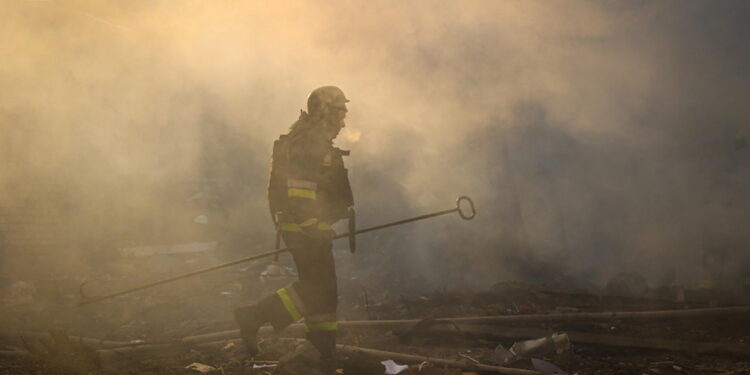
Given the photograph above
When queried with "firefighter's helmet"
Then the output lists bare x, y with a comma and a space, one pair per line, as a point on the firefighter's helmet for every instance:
324, 98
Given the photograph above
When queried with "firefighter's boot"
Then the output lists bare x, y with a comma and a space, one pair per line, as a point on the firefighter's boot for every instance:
325, 342
250, 320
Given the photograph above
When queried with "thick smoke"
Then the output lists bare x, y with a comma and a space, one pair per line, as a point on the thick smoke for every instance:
595, 137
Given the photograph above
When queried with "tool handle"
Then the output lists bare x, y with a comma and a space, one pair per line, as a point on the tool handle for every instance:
466, 216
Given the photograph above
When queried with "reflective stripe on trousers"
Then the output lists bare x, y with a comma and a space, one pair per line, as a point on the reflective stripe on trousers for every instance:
294, 306
321, 322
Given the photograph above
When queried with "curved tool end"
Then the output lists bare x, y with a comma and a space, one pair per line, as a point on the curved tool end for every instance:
80, 290
85, 299
471, 205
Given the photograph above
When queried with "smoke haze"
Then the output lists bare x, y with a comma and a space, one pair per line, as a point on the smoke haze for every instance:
595, 136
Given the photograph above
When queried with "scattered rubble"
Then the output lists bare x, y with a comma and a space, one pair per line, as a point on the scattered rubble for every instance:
557, 343
393, 368
201, 368
545, 331
546, 367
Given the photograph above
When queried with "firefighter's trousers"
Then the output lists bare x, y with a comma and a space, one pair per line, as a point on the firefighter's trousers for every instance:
314, 297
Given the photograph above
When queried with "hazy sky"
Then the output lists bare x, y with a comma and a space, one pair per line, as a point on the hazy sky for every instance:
605, 136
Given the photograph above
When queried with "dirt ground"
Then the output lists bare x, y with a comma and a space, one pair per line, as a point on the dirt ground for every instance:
164, 316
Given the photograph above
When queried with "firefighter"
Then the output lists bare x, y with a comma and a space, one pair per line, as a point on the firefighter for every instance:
308, 191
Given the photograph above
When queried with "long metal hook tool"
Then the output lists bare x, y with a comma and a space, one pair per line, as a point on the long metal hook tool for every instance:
87, 300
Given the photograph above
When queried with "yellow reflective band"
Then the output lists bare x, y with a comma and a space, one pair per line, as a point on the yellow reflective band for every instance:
302, 193
308, 222
322, 326
288, 304
290, 227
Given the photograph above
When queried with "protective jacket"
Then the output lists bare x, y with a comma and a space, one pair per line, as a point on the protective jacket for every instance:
309, 185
